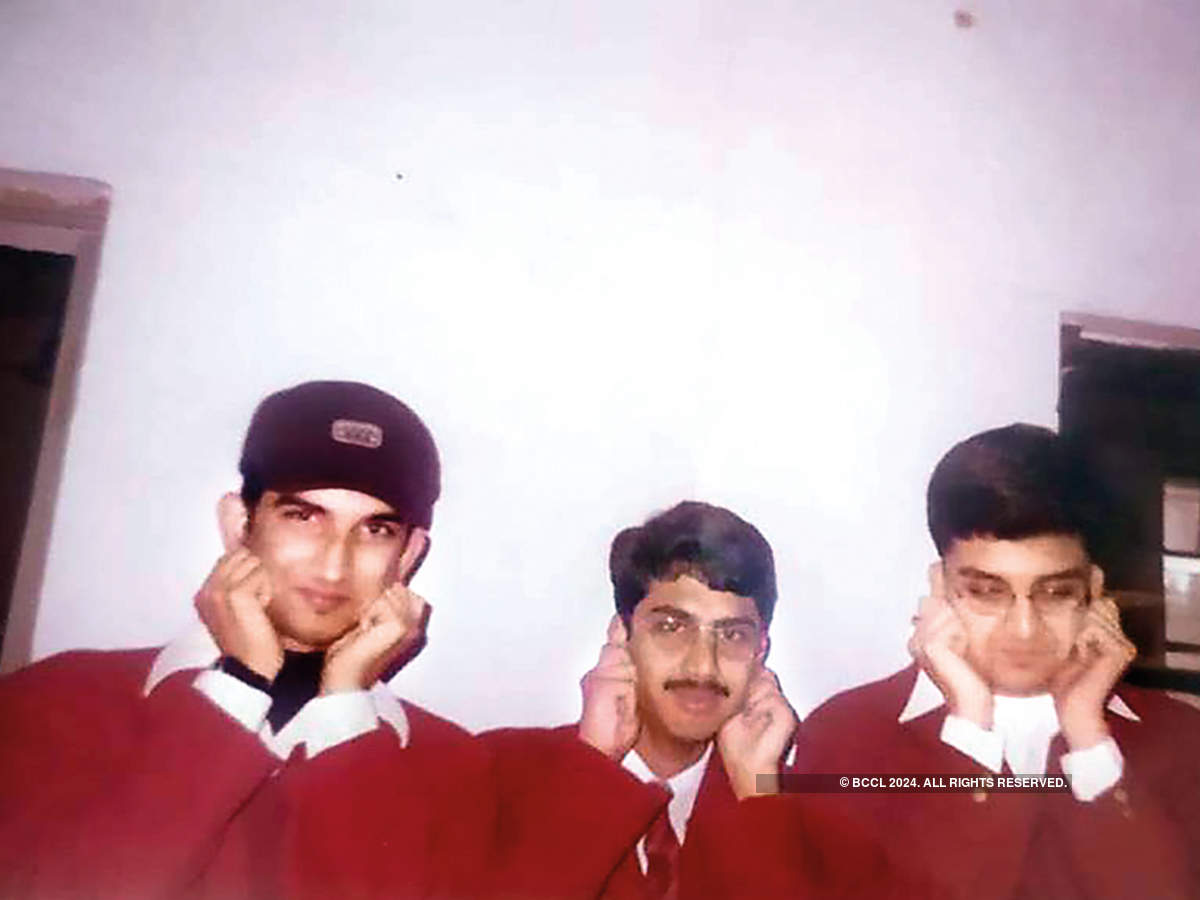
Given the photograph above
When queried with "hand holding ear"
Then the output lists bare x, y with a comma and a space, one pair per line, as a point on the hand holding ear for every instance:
1100, 654
939, 645
232, 604
387, 628
610, 721
754, 740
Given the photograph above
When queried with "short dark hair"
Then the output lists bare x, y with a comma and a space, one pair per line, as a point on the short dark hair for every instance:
1009, 483
709, 543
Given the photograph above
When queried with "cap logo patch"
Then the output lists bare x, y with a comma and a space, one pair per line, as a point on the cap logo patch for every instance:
360, 434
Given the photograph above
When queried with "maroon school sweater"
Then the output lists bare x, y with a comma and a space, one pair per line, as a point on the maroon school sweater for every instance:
105, 793
1140, 839
571, 818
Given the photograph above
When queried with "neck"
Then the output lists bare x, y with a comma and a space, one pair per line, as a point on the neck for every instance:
666, 755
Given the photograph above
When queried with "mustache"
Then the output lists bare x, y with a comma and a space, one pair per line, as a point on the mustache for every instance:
714, 686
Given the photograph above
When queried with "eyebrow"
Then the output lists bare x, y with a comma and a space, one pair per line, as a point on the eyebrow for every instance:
1074, 572
293, 500
727, 622
668, 610
392, 517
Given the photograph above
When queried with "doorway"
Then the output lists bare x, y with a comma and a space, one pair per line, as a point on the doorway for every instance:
51, 228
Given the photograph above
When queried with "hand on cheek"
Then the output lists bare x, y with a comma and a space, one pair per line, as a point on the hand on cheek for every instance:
1099, 655
386, 628
939, 645
232, 603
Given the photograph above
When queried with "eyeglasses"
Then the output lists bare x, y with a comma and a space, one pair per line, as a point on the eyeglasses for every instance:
735, 641
1055, 596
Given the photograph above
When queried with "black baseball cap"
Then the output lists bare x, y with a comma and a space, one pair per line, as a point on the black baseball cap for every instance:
344, 434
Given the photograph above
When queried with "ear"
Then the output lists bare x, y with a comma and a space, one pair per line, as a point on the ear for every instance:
232, 518
414, 553
1097, 582
764, 648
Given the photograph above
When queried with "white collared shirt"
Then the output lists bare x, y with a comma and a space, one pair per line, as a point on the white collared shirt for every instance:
1022, 729
685, 786
323, 722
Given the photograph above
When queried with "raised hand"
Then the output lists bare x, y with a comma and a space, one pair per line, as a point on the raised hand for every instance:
939, 645
232, 604
387, 628
754, 740
610, 720
1100, 654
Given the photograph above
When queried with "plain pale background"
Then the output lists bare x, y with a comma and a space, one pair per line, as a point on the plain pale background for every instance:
773, 255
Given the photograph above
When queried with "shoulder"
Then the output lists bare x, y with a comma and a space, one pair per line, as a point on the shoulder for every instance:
1161, 720
877, 701
427, 726
540, 753
530, 739
438, 738
89, 695
84, 671
859, 726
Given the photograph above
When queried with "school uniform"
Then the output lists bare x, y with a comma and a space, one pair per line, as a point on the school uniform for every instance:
145, 774
1129, 826
575, 825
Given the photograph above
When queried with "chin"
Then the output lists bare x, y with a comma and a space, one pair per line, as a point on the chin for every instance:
688, 729
1021, 683
694, 733
317, 635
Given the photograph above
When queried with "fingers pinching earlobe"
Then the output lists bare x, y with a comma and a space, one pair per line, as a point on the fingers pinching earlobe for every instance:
1106, 608
618, 634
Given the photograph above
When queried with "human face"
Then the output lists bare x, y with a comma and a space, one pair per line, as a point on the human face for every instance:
695, 651
328, 553
1022, 604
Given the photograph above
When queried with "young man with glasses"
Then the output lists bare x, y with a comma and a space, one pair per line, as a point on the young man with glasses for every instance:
680, 718
1017, 656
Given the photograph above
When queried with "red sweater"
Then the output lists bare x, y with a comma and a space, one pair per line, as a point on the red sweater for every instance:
1141, 839
105, 793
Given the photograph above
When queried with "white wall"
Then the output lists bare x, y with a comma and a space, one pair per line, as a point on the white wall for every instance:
775, 255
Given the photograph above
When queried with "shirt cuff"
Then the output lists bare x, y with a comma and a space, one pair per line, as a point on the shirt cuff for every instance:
246, 705
983, 746
1094, 770
333, 719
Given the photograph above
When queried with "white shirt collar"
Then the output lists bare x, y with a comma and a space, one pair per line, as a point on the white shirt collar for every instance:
685, 786
195, 649
926, 697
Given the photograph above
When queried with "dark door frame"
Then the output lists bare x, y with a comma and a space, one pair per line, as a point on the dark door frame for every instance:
56, 214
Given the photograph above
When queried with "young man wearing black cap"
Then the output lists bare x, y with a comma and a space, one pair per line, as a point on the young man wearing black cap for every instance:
226, 764
680, 717
1018, 656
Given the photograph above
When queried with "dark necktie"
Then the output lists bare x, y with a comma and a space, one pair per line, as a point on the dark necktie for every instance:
662, 855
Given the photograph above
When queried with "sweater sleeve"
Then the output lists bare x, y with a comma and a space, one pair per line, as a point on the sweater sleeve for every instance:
568, 815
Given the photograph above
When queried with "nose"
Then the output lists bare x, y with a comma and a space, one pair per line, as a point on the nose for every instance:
1023, 618
701, 660
334, 556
